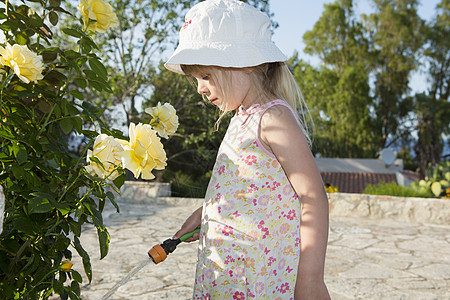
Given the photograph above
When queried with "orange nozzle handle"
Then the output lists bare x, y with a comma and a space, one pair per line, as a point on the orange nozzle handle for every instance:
157, 254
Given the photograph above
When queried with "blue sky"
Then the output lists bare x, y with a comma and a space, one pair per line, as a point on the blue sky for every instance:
295, 17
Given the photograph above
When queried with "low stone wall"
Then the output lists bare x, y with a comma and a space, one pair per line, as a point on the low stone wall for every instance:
143, 192
413, 210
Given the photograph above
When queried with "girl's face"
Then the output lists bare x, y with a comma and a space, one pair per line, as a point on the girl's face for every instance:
237, 87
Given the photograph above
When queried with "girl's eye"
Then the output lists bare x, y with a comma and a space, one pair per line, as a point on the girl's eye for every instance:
205, 77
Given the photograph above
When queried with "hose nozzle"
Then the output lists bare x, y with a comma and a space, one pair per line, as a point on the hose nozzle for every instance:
158, 253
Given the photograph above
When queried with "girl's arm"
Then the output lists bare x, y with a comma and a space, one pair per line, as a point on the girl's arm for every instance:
189, 225
281, 134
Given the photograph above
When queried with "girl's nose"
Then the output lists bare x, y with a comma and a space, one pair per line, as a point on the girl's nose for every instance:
201, 88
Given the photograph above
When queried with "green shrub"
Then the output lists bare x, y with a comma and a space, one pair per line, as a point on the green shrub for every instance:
187, 186
393, 189
437, 180
49, 195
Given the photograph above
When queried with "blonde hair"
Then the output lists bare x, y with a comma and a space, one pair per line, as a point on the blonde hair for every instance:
274, 79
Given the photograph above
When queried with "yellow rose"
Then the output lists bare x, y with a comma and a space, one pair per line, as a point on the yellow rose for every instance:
108, 151
144, 152
97, 15
66, 266
165, 119
25, 63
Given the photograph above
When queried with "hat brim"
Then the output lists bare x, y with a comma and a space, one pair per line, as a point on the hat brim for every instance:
222, 54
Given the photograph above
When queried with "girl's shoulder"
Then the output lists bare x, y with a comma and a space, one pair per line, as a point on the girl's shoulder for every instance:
278, 113
279, 125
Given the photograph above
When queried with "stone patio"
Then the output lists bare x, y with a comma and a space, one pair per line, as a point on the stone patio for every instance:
398, 255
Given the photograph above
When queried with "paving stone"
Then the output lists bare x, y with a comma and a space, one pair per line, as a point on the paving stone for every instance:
366, 258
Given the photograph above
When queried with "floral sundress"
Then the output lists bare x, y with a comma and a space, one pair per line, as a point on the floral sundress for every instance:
249, 245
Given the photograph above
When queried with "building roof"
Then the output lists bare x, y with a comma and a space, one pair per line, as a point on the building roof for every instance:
358, 165
351, 182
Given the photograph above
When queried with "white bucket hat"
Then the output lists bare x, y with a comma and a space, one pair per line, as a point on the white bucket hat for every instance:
226, 33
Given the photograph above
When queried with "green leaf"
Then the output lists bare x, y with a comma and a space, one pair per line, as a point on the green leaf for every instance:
31, 265
97, 161
119, 181
75, 227
98, 68
62, 207
73, 32
58, 287
85, 256
49, 56
71, 55
62, 10
73, 296
55, 3
53, 18
436, 188
112, 199
20, 152
77, 124
97, 217
56, 78
18, 172
39, 204
24, 224
76, 276
77, 94
5, 158
85, 48
81, 82
62, 243
21, 39
90, 74
66, 125
75, 286
22, 155
89, 107
88, 42
103, 239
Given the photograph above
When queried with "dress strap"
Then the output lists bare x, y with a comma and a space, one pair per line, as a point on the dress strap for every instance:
263, 110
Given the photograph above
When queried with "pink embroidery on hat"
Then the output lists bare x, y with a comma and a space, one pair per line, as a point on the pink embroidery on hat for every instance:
186, 23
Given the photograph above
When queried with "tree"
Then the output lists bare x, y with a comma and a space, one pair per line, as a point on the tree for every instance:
395, 34
338, 92
433, 108
363, 101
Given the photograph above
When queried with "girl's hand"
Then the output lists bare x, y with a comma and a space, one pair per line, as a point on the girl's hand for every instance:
311, 290
191, 223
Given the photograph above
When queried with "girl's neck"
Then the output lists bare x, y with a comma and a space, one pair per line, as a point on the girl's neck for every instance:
256, 97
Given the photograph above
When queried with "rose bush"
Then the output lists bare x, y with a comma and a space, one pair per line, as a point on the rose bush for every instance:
49, 192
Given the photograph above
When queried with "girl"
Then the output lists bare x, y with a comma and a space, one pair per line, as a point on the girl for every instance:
265, 179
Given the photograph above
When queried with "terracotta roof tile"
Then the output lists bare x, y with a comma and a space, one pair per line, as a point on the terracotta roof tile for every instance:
411, 175
348, 182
